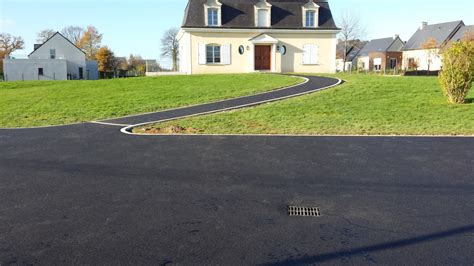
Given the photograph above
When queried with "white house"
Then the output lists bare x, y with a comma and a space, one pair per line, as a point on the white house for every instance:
415, 53
229, 36
55, 59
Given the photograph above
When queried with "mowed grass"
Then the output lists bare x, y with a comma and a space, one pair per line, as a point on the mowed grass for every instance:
363, 105
40, 103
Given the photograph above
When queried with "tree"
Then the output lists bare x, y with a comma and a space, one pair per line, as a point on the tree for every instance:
90, 42
9, 44
351, 29
457, 74
44, 35
136, 65
170, 46
105, 59
430, 46
73, 33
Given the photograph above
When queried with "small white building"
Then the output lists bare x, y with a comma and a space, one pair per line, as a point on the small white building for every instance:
56, 59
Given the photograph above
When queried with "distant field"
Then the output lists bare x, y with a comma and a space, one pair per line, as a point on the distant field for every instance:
39, 103
364, 104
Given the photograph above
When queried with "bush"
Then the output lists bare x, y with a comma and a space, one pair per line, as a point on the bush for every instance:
458, 71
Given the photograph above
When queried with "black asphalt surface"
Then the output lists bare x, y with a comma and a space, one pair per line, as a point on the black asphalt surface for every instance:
314, 84
88, 194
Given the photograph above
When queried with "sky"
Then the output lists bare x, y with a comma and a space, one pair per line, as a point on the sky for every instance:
136, 26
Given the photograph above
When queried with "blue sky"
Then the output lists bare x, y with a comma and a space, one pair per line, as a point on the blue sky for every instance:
136, 26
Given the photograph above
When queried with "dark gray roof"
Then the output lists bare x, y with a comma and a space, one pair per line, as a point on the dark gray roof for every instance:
382, 45
286, 14
442, 33
462, 31
353, 53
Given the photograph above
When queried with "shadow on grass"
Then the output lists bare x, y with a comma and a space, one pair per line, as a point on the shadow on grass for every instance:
469, 100
347, 253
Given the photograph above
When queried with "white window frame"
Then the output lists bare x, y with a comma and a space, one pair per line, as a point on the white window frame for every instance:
310, 6
312, 23
213, 4
263, 5
52, 53
214, 52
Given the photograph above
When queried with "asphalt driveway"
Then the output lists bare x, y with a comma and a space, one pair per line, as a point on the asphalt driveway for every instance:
88, 194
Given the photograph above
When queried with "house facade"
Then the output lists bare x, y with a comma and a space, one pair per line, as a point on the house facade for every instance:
422, 50
56, 59
230, 36
381, 55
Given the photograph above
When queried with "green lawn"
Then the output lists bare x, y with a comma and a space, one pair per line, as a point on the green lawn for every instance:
362, 105
39, 103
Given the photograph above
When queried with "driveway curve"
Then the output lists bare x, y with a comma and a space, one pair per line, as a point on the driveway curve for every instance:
311, 84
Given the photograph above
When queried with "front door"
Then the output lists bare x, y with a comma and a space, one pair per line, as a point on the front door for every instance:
263, 57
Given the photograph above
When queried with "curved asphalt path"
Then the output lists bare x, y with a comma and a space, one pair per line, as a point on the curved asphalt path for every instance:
87, 194
312, 84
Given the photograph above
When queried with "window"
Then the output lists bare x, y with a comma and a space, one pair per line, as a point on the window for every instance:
310, 54
377, 64
310, 15
52, 54
262, 18
241, 49
213, 54
40, 71
212, 17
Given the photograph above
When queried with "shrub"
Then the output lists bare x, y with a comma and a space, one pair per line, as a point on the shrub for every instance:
458, 71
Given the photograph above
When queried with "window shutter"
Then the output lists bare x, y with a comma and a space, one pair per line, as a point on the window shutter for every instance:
315, 54
202, 54
306, 54
225, 53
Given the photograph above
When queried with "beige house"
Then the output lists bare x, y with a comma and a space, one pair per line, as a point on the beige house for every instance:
243, 36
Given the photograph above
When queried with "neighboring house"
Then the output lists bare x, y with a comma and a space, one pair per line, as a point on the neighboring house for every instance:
381, 54
56, 59
421, 52
230, 36
463, 32
351, 57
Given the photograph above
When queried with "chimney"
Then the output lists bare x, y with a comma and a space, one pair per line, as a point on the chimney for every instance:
396, 36
36, 46
423, 25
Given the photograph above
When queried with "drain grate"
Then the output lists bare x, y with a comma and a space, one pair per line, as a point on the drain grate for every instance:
304, 211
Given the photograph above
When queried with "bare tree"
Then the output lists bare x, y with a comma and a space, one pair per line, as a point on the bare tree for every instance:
170, 46
351, 29
44, 35
73, 33
430, 46
9, 44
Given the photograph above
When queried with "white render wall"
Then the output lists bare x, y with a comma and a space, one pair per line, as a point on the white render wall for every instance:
422, 58
27, 69
64, 50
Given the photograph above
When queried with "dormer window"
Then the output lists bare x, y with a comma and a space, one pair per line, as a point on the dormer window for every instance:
212, 13
309, 21
212, 17
263, 15
310, 15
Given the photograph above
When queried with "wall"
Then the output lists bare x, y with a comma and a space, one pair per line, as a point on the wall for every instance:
385, 57
291, 62
27, 69
64, 50
421, 57
92, 70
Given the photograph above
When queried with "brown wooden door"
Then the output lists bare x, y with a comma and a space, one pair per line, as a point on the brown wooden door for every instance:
263, 57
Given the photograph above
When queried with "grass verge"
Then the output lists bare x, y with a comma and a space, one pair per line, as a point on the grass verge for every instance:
363, 105
40, 103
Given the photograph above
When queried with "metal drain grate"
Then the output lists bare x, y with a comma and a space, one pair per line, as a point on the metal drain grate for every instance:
304, 211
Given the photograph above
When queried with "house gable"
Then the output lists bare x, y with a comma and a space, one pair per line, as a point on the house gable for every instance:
441, 33
57, 37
